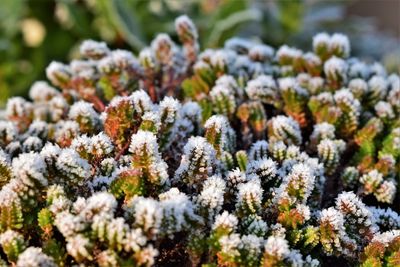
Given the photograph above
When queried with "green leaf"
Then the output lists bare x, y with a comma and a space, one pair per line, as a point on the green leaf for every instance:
124, 20
56, 250
291, 14
45, 218
227, 27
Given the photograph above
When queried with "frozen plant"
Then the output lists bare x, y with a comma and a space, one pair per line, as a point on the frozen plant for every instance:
245, 155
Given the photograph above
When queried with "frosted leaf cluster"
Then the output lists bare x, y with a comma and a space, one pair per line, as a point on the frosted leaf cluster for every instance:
244, 155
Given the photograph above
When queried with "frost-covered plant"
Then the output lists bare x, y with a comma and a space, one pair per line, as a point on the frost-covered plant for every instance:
235, 156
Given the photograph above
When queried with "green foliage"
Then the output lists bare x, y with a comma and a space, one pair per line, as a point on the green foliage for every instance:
11, 216
218, 171
56, 250
241, 158
45, 220
13, 244
128, 184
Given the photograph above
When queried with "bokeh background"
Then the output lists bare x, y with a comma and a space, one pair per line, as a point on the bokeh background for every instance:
35, 32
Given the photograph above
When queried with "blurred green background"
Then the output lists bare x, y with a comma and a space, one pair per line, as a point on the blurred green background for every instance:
35, 32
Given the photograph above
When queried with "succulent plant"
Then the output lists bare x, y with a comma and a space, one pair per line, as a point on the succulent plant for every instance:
237, 156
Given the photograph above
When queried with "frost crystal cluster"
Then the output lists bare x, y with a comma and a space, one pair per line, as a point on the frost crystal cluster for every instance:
237, 156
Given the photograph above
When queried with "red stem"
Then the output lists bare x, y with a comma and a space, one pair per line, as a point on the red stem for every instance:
123, 150
152, 92
98, 104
